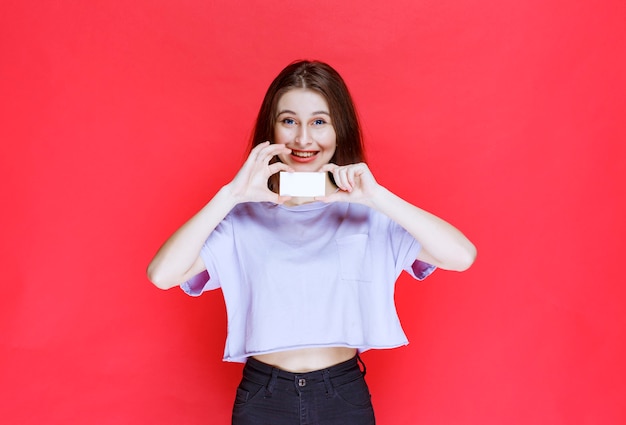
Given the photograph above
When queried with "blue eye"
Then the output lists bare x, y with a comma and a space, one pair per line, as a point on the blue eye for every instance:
289, 121
319, 122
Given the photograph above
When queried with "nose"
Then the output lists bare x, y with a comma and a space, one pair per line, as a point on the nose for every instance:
303, 137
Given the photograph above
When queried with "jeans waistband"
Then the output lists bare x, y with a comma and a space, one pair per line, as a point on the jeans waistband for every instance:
271, 377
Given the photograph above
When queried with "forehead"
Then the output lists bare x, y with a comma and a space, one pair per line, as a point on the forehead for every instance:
302, 101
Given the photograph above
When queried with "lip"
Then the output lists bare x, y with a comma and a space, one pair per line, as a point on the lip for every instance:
303, 160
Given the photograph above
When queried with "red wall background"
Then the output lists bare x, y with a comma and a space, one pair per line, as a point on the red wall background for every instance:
120, 119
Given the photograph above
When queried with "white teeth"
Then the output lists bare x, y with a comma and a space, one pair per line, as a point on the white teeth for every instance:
303, 154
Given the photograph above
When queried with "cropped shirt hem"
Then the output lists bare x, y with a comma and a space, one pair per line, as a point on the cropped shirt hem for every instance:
359, 348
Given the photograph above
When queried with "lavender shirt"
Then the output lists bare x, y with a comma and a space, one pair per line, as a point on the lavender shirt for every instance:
314, 275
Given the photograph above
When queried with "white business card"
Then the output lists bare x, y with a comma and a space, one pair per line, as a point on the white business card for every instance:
302, 184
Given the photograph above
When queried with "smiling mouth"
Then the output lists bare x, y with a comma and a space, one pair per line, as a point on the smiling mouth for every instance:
302, 154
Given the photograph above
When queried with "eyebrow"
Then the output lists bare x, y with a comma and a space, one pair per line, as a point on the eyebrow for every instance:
287, 111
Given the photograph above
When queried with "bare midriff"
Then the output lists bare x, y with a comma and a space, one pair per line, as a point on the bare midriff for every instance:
307, 359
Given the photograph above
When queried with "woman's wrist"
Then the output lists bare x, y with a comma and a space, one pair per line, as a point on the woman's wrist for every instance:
379, 198
224, 200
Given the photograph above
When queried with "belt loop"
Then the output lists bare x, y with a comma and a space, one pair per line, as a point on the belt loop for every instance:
270, 385
329, 385
358, 359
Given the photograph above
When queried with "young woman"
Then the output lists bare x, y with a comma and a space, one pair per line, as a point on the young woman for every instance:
308, 282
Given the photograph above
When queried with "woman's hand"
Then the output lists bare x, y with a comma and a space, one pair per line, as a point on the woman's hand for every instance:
442, 244
356, 183
250, 183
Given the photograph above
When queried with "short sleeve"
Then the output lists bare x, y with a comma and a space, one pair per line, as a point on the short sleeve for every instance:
407, 249
197, 284
420, 270
218, 247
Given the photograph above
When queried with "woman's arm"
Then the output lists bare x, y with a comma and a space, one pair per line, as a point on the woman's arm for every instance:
442, 244
179, 258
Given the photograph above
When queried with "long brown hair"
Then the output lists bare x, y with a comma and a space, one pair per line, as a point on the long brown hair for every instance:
322, 78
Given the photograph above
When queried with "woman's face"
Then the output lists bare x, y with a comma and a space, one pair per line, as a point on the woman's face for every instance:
303, 124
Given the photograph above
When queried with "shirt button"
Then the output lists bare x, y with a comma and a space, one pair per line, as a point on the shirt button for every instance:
301, 382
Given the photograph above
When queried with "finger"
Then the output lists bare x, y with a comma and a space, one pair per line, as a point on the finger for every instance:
344, 180
263, 152
350, 176
276, 147
254, 152
258, 148
354, 174
272, 150
329, 168
279, 166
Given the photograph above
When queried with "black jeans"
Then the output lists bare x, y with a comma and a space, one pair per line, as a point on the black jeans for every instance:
337, 395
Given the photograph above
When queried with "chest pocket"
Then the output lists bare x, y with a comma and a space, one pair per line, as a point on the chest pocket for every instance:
354, 258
